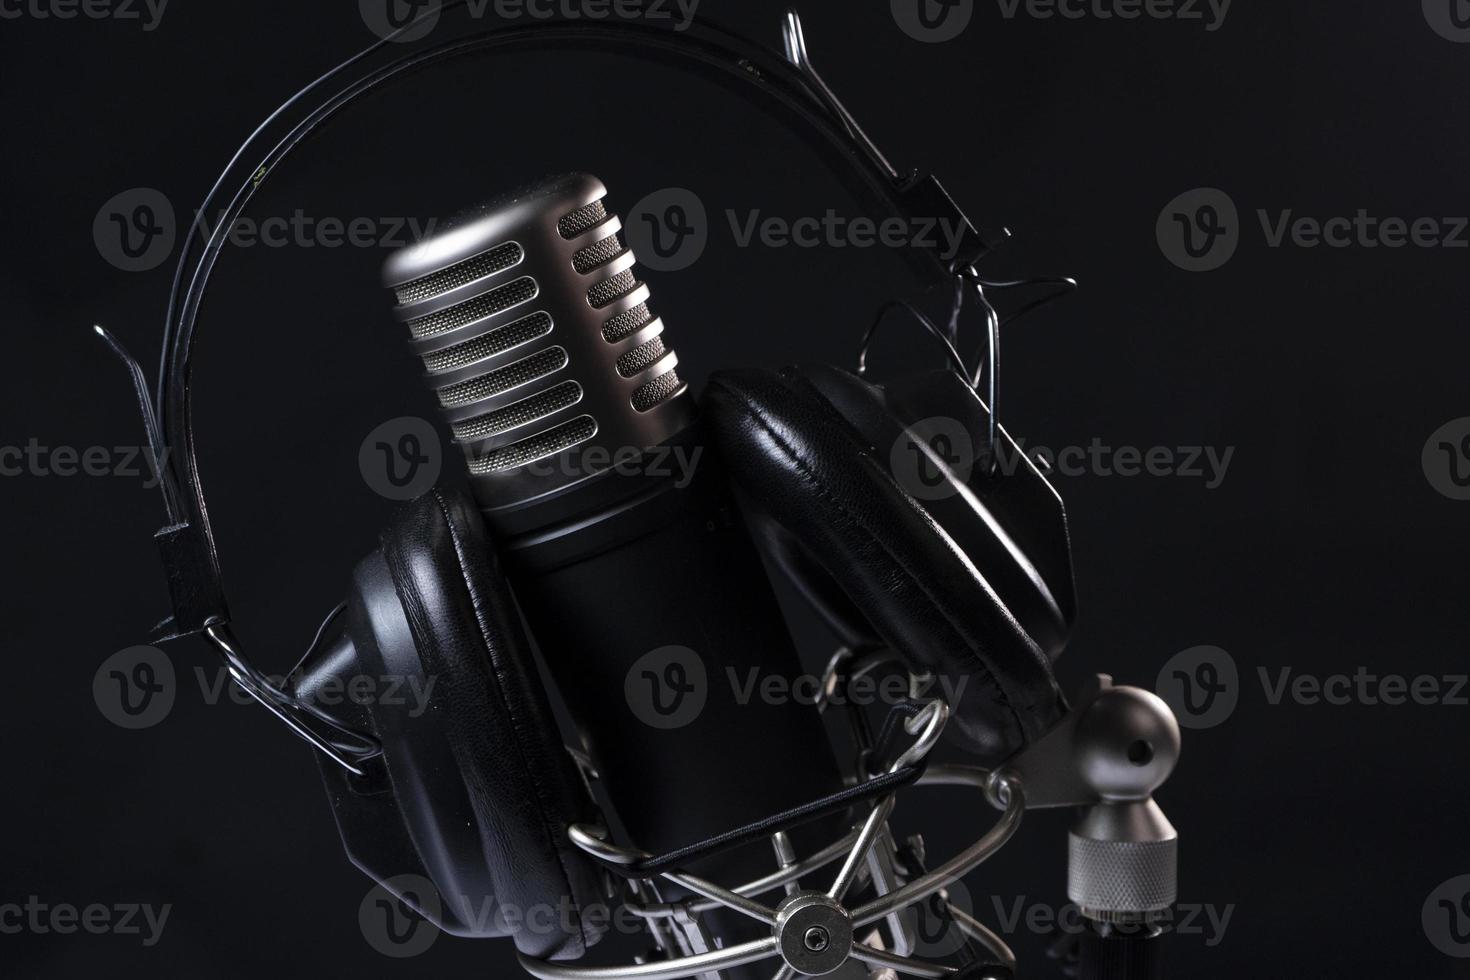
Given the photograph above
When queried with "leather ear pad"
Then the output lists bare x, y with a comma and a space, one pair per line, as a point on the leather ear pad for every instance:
519, 779
822, 499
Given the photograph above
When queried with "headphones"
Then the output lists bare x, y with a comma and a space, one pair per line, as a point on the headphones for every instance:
471, 795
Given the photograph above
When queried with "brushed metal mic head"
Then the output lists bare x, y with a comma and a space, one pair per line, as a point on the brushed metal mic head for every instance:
538, 340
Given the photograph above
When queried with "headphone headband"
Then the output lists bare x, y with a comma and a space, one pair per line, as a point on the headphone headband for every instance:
793, 85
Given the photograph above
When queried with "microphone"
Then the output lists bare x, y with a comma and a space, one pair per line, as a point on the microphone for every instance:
610, 513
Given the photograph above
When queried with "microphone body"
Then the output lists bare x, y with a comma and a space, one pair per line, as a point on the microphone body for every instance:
611, 514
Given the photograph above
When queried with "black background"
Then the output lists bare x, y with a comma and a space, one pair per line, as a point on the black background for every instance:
1325, 548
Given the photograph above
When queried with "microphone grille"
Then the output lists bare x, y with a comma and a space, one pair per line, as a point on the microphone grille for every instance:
537, 335
487, 263
574, 222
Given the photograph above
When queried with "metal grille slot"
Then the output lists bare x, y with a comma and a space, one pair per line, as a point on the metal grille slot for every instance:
656, 391
478, 308
553, 440
511, 376
640, 357
610, 289
487, 263
626, 322
497, 341
587, 216
602, 253
524, 411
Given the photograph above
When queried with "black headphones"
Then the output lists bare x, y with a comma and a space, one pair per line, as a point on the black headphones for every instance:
475, 794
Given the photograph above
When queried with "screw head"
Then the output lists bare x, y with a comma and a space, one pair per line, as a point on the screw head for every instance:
814, 933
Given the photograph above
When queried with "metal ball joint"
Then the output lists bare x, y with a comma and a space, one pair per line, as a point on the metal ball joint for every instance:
1123, 852
1127, 744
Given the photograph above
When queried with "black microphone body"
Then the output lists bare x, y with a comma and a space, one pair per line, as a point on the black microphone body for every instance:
612, 517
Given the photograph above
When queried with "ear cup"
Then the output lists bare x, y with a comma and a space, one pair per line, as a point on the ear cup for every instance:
822, 498
490, 702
